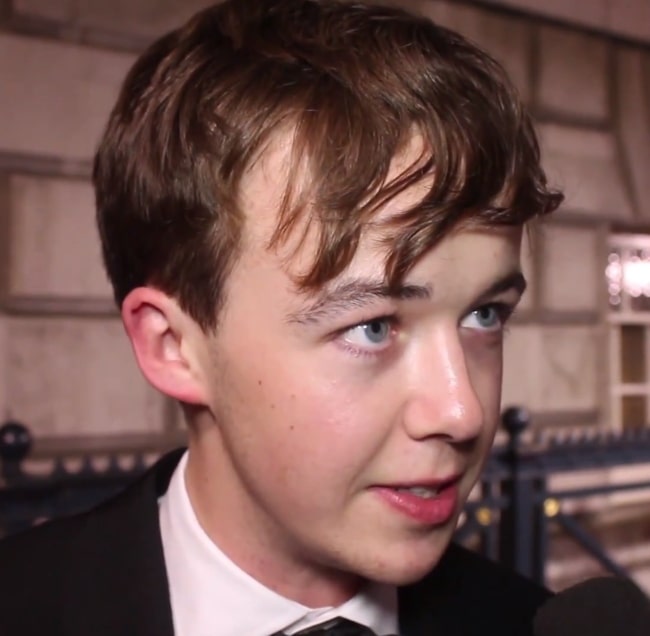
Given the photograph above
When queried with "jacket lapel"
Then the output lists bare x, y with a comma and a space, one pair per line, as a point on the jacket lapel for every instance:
122, 587
467, 595
429, 607
438, 605
415, 616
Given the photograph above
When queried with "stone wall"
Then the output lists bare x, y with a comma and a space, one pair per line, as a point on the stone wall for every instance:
65, 366
625, 18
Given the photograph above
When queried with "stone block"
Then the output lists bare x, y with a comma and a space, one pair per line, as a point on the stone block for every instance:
572, 278
506, 38
552, 368
59, 10
592, 13
628, 18
5, 207
573, 73
520, 367
145, 18
5, 412
585, 165
54, 246
633, 122
55, 96
569, 368
66, 376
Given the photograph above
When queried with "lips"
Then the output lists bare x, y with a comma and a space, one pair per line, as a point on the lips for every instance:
428, 502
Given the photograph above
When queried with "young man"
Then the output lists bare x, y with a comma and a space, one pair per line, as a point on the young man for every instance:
311, 214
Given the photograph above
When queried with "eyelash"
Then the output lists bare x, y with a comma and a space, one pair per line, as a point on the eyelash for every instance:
358, 352
504, 311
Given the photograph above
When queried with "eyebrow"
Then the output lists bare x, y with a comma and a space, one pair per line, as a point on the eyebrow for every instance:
513, 281
354, 294
358, 293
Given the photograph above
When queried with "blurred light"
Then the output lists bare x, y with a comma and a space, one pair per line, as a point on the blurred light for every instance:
628, 273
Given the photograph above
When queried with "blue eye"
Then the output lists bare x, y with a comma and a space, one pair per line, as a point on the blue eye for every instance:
372, 335
376, 331
486, 318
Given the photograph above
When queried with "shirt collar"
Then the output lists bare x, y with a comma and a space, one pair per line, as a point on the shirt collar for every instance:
211, 595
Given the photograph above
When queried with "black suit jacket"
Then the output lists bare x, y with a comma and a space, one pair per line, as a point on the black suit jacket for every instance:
102, 573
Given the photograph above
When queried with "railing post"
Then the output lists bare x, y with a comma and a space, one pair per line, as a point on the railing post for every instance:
490, 529
15, 444
517, 529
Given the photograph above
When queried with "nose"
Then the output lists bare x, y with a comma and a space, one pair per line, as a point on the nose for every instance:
442, 399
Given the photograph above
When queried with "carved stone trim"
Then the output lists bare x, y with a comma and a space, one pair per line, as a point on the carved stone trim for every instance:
560, 318
90, 36
564, 419
5, 231
44, 166
545, 15
546, 114
52, 447
61, 306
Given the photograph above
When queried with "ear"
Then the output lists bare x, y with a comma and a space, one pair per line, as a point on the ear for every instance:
164, 339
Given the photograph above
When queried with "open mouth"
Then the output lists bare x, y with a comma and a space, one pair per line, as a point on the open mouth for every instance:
421, 491
428, 490
430, 504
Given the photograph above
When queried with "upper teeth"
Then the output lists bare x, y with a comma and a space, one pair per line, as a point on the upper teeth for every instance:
420, 491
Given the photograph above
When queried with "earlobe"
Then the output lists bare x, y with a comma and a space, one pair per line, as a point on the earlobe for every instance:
160, 334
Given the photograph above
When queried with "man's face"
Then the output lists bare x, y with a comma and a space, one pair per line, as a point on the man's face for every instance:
347, 428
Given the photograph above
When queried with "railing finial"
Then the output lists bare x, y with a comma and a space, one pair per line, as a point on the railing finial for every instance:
515, 420
15, 441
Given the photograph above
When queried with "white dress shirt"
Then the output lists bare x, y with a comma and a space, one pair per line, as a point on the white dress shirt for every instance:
211, 596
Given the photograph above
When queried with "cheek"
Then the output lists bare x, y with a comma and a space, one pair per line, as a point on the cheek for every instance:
319, 419
306, 450
293, 414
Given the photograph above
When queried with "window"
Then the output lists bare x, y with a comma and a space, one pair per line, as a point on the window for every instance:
628, 287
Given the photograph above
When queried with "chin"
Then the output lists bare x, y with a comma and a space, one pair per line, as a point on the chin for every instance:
404, 567
401, 576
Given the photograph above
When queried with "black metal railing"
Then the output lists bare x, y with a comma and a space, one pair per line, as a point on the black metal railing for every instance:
512, 521
70, 485
519, 508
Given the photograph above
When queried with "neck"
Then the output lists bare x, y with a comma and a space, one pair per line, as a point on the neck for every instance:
248, 537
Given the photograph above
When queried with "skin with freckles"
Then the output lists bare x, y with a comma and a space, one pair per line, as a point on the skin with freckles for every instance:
317, 410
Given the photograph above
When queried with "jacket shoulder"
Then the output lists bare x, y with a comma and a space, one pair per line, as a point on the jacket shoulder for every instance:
99, 572
476, 571
467, 594
32, 567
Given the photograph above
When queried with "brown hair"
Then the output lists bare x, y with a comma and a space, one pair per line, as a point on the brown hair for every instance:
354, 82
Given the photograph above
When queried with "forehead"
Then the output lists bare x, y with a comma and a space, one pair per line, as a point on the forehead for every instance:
462, 265
275, 180
405, 229
264, 186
